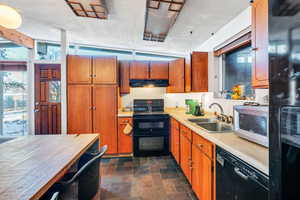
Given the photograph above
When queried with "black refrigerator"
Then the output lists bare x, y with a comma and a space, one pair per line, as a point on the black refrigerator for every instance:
284, 76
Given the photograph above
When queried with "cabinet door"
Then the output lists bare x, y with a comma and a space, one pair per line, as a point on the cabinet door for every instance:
79, 107
105, 70
124, 141
199, 72
79, 69
260, 41
176, 76
175, 140
105, 115
124, 77
186, 156
139, 70
202, 174
159, 70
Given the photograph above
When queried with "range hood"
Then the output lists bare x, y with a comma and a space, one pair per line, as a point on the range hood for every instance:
148, 83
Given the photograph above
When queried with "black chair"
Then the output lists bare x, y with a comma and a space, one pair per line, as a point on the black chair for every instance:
88, 181
55, 196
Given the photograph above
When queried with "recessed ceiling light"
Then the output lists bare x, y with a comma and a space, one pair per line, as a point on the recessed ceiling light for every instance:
160, 17
89, 8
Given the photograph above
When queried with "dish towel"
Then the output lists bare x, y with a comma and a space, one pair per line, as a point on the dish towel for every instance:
128, 129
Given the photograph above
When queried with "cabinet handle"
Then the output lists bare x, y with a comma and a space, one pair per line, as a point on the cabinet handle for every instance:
94, 75
91, 75
200, 145
94, 108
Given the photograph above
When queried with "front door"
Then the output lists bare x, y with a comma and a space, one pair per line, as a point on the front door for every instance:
47, 99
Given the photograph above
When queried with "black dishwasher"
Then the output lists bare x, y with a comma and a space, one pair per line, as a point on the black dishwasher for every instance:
237, 180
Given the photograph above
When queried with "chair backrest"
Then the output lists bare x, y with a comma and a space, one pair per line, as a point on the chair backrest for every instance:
96, 158
55, 196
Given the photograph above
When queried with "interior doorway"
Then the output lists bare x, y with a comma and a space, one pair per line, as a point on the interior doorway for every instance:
47, 99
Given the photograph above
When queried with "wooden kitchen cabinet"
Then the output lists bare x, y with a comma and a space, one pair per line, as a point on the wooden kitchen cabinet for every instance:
79, 108
105, 115
202, 167
176, 76
124, 141
202, 174
105, 70
260, 65
199, 71
186, 152
124, 76
139, 70
175, 140
159, 70
79, 69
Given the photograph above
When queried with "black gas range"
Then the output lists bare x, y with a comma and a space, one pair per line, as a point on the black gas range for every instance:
150, 128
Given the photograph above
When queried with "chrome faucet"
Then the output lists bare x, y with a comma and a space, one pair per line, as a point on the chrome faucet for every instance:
222, 116
220, 107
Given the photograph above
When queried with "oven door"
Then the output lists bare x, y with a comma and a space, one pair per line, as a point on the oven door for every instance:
151, 145
151, 125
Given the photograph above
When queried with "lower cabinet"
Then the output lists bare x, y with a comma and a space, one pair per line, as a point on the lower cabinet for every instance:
175, 140
185, 153
125, 140
197, 160
202, 174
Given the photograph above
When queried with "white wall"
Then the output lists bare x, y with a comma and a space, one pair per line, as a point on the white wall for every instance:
236, 25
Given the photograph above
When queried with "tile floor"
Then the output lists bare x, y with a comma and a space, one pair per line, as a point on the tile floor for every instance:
147, 178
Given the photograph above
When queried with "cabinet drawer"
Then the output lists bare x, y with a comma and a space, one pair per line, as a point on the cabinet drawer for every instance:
125, 120
204, 145
174, 124
186, 132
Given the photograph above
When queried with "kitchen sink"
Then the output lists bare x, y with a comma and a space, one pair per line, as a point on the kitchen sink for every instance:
215, 127
202, 120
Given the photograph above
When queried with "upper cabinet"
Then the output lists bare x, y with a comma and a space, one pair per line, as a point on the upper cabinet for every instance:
139, 70
79, 69
199, 71
159, 70
176, 76
87, 70
124, 77
105, 70
260, 68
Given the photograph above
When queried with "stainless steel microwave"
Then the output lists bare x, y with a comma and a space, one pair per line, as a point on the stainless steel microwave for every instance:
252, 123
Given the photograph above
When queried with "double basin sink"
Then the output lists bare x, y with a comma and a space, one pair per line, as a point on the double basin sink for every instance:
212, 125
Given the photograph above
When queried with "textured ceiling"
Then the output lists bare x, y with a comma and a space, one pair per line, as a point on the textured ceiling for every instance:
124, 28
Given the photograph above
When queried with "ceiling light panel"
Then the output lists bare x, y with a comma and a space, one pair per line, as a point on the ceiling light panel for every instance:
89, 8
160, 17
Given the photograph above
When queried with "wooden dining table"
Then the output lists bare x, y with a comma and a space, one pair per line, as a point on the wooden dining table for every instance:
30, 165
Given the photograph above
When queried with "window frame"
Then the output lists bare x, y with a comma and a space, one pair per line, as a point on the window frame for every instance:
238, 41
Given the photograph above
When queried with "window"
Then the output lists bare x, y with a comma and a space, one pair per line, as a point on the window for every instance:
13, 100
92, 51
48, 51
147, 56
237, 70
11, 51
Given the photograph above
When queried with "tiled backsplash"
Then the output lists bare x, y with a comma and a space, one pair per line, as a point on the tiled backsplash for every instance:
178, 99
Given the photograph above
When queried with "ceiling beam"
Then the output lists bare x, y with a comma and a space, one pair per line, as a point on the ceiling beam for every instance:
16, 37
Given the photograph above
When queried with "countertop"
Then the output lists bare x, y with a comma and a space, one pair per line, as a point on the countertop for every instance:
254, 154
124, 114
29, 165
